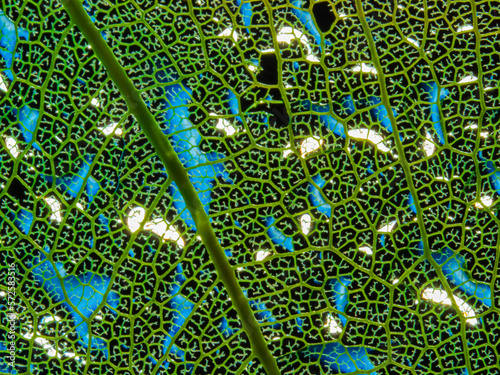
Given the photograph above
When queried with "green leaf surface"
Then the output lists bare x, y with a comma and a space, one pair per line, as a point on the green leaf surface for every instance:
249, 187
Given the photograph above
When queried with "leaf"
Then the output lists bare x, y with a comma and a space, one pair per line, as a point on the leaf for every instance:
249, 187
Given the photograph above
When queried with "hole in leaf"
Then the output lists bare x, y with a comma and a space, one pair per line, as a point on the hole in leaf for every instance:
269, 72
18, 191
324, 15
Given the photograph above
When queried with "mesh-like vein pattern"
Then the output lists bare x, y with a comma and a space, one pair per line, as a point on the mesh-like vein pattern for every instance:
347, 153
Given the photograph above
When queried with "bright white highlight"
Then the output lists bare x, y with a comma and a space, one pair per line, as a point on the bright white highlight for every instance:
225, 125
51, 349
471, 126
395, 281
261, 255
55, 206
366, 250
388, 227
305, 223
158, 226
468, 79
3, 84
48, 345
135, 218
163, 229
440, 296
428, 146
465, 28
48, 319
287, 34
414, 42
369, 135
95, 102
111, 129
12, 146
365, 68
287, 151
333, 325
230, 32
309, 145
487, 201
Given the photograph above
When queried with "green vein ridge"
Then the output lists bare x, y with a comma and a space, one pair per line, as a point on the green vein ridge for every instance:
176, 170
401, 152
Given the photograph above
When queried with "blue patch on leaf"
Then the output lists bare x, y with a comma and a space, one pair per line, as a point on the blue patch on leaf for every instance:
340, 295
28, 119
306, 18
22, 220
186, 140
379, 113
182, 309
73, 183
246, 12
492, 171
453, 267
315, 197
84, 295
277, 235
432, 90
9, 36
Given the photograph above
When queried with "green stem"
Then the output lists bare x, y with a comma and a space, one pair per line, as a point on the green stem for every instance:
177, 172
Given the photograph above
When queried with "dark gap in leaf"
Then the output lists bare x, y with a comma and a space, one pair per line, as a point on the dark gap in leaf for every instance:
18, 191
323, 13
269, 66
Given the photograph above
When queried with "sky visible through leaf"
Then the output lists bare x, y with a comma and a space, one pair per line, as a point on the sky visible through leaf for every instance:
249, 187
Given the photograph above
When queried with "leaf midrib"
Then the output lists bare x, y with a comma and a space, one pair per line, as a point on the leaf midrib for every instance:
178, 173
